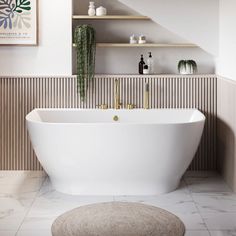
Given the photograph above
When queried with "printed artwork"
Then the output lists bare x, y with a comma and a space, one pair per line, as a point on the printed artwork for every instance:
18, 22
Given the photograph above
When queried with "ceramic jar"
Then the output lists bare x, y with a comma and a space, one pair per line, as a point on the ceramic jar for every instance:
142, 39
101, 11
133, 40
91, 10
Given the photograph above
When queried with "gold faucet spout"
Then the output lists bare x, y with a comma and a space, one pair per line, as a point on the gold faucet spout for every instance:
117, 103
146, 96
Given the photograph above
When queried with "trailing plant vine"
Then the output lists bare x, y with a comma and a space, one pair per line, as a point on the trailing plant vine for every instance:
85, 40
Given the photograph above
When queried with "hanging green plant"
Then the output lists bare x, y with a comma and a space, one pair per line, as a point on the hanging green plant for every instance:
85, 40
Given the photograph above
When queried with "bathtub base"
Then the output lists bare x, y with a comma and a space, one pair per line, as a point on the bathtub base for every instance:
112, 189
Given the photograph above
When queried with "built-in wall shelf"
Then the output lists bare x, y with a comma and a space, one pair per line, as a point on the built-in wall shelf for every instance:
147, 45
113, 32
111, 17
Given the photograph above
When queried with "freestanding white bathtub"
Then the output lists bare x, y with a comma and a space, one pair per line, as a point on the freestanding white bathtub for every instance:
86, 152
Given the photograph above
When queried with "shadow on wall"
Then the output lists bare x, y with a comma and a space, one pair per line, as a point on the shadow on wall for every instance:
226, 152
114, 7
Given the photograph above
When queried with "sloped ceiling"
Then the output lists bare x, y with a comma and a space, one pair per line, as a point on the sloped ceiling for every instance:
195, 20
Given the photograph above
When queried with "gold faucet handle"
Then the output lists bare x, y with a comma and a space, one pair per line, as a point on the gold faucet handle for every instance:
102, 106
118, 106
130, 106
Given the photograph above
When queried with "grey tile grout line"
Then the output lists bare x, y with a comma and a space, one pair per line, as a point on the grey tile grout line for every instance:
190, 193
27, 212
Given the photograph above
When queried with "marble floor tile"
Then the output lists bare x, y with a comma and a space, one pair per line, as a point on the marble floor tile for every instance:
206, 184
13, 210
25, 185
177, 201
7, 233
30, 204
9, 221
17, 177
52, 203
223, 233
37, 223
197, 233
192, 221
34, 233
220, 221
215, 202
15, 204
200, 174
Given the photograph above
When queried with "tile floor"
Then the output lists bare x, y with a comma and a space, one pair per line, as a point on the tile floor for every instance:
29, 204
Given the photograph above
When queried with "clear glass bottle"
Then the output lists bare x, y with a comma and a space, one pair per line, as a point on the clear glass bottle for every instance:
150, 63
146, 70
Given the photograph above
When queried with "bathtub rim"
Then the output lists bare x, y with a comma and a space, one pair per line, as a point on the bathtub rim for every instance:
28, 118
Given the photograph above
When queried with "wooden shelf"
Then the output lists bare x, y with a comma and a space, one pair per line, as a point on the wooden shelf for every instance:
148, 45
111, 17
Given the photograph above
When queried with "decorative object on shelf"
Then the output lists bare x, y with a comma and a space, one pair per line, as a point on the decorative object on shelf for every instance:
141, 65
101, 11
146, 70
91, 10
142, 39
150, 63
18, 22
133, 40
187, 67
85, 40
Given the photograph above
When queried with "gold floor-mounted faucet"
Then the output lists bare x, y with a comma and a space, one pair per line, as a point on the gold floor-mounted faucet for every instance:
146, 96
117, 103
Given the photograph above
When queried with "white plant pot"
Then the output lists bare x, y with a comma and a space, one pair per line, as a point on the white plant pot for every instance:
188, 70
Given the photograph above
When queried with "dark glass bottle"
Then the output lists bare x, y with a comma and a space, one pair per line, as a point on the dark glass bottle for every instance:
141, 65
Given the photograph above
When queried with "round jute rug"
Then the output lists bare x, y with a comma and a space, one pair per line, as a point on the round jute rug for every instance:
118, 219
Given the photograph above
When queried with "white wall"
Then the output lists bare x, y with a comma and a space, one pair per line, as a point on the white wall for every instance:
53, 55
226, 63
125, 60
194, 20
172, 28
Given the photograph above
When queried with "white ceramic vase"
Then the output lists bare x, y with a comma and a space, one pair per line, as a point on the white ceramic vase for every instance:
91, 10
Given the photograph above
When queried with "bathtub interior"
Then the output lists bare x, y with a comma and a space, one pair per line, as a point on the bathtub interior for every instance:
156, 116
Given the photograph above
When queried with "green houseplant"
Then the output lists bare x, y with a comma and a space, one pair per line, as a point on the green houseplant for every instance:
187, 67
85, 40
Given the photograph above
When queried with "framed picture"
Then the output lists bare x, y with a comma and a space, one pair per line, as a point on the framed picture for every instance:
19, 22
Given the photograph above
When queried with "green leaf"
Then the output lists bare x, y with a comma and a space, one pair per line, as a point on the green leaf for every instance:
26, 4
25, 8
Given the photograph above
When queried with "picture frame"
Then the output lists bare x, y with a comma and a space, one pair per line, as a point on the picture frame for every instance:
18, 22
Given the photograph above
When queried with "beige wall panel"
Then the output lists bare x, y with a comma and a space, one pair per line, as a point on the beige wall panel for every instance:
18, 96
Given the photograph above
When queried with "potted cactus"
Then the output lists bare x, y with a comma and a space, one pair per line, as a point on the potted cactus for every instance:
84, 38
187, 67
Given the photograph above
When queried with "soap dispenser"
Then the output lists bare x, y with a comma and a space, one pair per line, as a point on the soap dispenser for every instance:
150, 63
146, 70
141, 65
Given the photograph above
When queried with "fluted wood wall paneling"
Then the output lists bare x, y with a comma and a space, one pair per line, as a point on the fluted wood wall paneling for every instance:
20, 95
